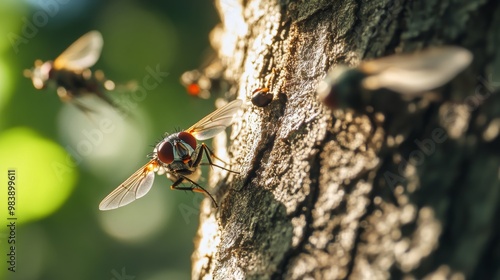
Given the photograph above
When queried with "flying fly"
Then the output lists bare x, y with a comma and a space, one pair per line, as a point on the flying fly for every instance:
69, 73
409, 75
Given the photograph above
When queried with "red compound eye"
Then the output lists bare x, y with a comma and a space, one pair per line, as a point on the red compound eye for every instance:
188, 139
166, 153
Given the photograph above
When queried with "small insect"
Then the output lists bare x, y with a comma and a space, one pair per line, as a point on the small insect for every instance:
410, 75
206, 80
70, 73
262, 97
177, 155
197, 84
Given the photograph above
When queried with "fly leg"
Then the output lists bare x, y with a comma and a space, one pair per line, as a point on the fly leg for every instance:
195, 188
211, 154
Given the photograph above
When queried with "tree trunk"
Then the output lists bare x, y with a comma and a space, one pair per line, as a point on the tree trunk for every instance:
331, 194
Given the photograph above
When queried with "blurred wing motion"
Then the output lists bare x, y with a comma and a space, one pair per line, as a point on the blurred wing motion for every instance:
82, 54
417, 72
215, 122
135, 187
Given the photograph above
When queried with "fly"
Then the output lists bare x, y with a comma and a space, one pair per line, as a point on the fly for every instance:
409, 75
177, 155
196, 83
261, 97
206, 80
70, 73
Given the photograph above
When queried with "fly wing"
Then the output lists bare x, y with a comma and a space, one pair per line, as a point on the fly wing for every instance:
82, 54
135, 187
215, 122
418, 72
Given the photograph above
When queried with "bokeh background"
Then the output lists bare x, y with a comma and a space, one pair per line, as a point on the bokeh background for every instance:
67, 162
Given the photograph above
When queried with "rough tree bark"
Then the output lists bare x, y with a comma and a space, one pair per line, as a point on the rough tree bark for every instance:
328, 194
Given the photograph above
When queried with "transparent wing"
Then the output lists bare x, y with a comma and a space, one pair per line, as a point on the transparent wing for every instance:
82, 54
417, 72
215, 122
135, 187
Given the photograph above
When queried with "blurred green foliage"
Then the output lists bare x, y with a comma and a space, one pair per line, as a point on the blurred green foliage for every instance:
62, 234
21, 149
